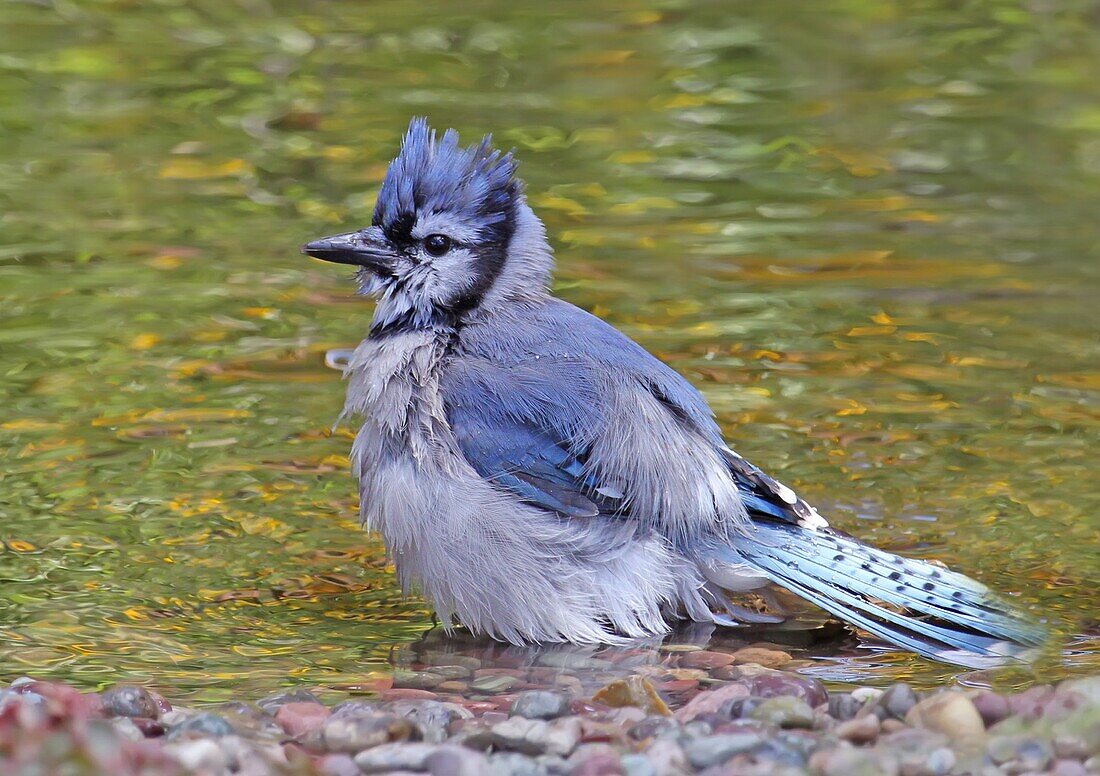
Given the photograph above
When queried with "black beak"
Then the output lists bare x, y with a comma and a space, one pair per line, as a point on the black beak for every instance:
367, 248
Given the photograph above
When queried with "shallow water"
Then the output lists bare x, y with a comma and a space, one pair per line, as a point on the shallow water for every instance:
869, 235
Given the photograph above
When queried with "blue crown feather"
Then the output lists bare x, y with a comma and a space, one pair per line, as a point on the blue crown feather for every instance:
437, 175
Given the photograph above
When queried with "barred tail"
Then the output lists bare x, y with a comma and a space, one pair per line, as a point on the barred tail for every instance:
914, 604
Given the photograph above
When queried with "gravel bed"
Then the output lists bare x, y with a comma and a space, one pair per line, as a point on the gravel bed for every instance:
707, 712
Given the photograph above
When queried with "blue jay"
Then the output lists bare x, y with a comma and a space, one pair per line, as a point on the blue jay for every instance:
541, 477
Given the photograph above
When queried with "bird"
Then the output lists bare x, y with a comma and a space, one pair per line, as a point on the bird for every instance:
539, 477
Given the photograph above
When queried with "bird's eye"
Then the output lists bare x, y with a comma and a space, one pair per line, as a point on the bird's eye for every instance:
437, 244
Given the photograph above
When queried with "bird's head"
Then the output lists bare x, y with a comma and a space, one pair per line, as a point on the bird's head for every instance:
451, 228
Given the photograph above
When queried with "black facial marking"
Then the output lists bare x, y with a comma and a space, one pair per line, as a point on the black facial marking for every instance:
399, 231
491, 251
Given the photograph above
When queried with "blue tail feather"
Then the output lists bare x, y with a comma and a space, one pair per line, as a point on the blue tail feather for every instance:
943, 615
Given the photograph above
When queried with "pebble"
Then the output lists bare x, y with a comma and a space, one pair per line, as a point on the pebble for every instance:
1023, 753
350, 734
774, 683
493, 684
705, 660
1031, 703
991, 706
638, 765
843, 706
272, 702
298, 718
416, 680
407, 694
200, 726
202, 755
337, 765
896, 701
768, 658
536, 736
432, 718
950, 713
634, 691
127, 700
1068, 768
712, 750
784, 711
450, 760
712, 701
849, 761
859, 730
126, 728
541, 721
384, 758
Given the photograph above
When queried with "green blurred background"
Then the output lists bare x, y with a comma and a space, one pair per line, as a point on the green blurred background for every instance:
867, 231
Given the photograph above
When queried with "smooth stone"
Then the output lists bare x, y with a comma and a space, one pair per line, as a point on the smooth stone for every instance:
355, 709
866, 695
416, 680
1088, 686
912, 748
127, 700
785, 712
472, 733
625, 717
493, 684
1032, 702
351, 734
773, 684
515, 764
125, 728
204, 725
407, 694
896, 701
859, 730
992, 706
433, 718
1064, 704
712, 701
337, 765
713, 750
638, 765
635, 691
298, 718
399, 756
571, 660
439, 660
844, 706
453, 672
950, 713
1025, 753
248, 720
1068, 768
595, 760
1072, 746
768, 658
202, 755
849, 761
272, 702
654, 726
705, 660
535, 736
667, 756
540, 704
449, 760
